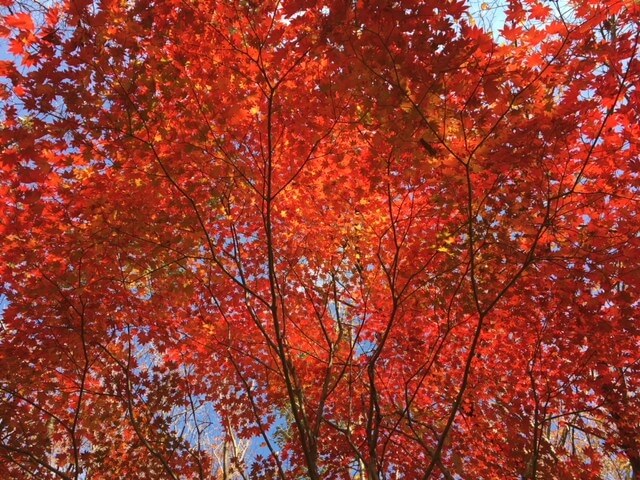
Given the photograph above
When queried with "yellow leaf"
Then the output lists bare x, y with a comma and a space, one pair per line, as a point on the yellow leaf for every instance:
443, 249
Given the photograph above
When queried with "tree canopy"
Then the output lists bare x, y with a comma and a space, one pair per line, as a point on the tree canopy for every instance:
319, 240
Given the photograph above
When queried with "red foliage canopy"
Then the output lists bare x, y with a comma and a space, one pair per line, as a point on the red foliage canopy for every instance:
283, 239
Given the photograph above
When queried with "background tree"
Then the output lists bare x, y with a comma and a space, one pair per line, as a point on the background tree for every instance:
371, 238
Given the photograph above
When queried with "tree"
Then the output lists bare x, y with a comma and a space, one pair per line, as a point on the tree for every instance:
368, 239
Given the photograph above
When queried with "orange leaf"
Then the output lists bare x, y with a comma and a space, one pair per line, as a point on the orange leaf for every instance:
22, 21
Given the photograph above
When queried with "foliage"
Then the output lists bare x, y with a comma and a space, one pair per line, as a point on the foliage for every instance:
370, 239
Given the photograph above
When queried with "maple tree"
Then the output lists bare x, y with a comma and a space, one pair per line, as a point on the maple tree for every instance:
282, 239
